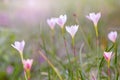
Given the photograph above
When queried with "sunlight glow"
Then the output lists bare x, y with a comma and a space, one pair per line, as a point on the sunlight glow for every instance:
32, 3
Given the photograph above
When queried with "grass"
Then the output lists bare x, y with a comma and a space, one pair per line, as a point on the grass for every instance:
51, 62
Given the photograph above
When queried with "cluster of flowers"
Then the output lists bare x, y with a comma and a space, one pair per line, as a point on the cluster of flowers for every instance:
112, 36
74, 28
61, 22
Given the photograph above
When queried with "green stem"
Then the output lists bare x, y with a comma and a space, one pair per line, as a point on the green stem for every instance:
96, 30
82, 33
65, 44
80, 61
53, 42
73, 46
108, 70
52, 66
115, 49
115, 61
97, 50
44, 47
21, 56
25, 75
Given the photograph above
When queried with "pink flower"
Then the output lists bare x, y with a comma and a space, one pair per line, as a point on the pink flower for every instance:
27, 64
112, 36
61, 20
72, 30
9, 69
107, 56
19, 46
94, 17
51, 22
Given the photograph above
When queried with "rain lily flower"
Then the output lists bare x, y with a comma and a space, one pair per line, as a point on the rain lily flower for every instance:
107, 56
72, 30
19, 46
51, 22
94, 17
112, 36
27, 64
61, 20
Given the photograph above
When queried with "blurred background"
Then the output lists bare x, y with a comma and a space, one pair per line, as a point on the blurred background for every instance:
26, 20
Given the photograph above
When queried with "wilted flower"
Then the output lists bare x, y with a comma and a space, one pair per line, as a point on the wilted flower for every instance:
19, 45
107, 56
51, 22
94, 17
72, 30
27, 64
112, 36
61, 20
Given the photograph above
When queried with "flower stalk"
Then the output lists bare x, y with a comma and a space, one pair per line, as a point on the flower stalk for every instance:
19, 46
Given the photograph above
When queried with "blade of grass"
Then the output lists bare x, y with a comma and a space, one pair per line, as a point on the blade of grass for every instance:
80, 56
117, 76
52, 66
82, 75
115, 49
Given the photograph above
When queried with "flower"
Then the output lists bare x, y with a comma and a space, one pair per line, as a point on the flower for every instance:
61, 20
112, 36
107, 56
72, 30
94, 17
27, 64
9, 69
19, 46
51, 22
